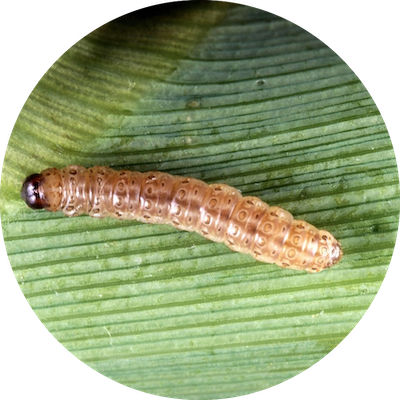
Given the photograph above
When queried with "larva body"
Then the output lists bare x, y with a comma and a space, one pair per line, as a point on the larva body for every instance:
218, 212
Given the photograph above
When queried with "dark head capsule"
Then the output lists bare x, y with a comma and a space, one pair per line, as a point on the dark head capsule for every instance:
31, 193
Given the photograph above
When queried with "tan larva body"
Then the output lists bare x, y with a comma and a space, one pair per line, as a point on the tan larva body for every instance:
218, 212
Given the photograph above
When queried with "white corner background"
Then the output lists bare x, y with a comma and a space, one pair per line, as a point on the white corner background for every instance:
34, 35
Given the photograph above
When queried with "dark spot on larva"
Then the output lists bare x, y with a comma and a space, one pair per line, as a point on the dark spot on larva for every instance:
284, 229
219, 229
95, 211
146, 216
151, 177
178, 210
181, 194
149, 190
257, 216
268, 227
273, 252
230, 241
257, 253
47, 173
185, 181
195, 192
207, 219
101, 172
190, 219
324, 237
242, 215
72, 171
212, 203
147, 204
300, 226
175, 222
118, 213
159, 210
250, 202
204, 232
304, 262
314, 268
246, 241
120, 186
296, 239
122, 173
229, 201
69, 208
99, 180
274, 214
261, 241
162, 184
217, 188
285, 264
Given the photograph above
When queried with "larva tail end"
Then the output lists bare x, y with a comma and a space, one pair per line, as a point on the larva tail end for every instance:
329, 253
337, 254
334, 252
31, 192
331, 250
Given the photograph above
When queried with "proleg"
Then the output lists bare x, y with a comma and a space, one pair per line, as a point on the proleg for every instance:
218, 212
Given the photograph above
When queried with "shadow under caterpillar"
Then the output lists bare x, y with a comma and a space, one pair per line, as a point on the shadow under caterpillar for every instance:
218, 212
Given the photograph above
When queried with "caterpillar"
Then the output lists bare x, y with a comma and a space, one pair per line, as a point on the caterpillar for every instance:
217, 211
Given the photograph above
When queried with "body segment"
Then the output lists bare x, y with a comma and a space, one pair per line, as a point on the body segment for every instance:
218, 212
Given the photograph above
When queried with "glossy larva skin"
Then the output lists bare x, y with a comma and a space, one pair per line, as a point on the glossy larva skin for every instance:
217, 211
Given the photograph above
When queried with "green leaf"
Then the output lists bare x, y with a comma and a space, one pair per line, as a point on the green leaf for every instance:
224, 93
